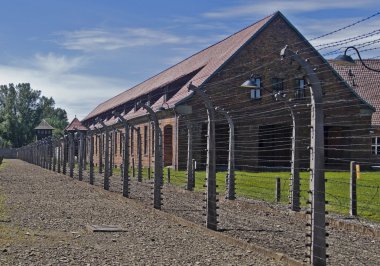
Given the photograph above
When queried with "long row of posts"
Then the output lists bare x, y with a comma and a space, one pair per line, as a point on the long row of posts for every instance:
57, 155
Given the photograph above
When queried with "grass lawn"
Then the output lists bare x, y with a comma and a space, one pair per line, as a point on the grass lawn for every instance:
263, 186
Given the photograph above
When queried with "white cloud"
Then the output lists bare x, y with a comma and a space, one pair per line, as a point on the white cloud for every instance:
290, 6
101, 39
77, 94
57, 63
93, 40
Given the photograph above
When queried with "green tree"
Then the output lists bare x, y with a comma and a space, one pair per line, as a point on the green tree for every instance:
57, 118
22, 109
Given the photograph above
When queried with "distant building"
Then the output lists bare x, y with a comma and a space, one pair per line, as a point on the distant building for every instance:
366, 84
75, 126
43, 130
72, 128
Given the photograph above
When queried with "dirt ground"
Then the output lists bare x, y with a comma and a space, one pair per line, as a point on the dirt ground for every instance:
44, 215
49, 211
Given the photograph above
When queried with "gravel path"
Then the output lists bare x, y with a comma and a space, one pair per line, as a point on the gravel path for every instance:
46, 215
268, 225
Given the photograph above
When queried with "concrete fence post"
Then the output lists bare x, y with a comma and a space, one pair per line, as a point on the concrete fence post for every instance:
54, 151
317, 215
133, 167
106, 181
50, 153
194, 168
59, 155
85, 151
101, 152
353, 197
126, 178
126, 156
168, 175
139, 156
91, 158
64, 155
158, 165
211, 221
44, 154
80, 156
231, 155
71, 154
190, 172
278, 189
112, 152
295, 165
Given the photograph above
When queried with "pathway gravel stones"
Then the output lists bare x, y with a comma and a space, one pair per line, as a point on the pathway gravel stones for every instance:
56, 208
47, 216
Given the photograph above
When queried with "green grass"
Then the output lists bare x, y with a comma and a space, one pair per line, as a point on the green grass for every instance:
263, 185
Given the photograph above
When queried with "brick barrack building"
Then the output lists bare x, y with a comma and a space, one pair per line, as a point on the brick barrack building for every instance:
367, 84
260, 119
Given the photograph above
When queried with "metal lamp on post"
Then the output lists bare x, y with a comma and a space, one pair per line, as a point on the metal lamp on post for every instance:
345, 59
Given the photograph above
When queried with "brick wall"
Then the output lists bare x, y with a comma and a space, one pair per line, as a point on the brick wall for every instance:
225, 91
147, 143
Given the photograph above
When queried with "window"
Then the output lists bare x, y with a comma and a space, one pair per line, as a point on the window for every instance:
300, 89
256, 93
277, 84
376, 145
145, 139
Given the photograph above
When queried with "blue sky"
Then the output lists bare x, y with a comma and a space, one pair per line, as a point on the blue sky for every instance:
82, 52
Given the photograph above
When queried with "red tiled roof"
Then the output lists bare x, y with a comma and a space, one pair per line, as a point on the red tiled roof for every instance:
130, 115
365, 82
75, 125
208, 61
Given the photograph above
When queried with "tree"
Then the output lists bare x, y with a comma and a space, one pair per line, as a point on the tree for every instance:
57, 119
22, 109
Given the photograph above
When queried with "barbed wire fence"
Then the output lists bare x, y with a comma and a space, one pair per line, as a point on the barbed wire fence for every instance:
247, 160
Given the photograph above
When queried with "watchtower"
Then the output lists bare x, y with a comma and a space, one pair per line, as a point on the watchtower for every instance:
43, 130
